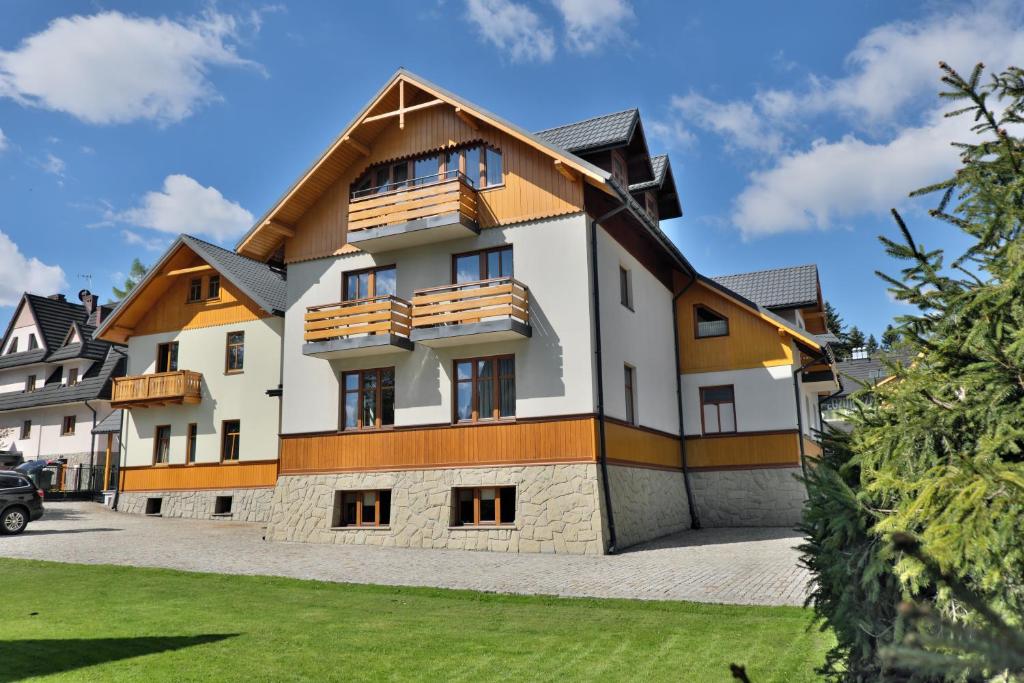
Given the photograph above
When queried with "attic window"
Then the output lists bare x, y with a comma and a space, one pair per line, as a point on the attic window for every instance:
13, 348
32, 342
708, 323
479, 167
213, 287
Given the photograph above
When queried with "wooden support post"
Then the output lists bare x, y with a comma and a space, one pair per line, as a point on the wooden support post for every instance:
106, 466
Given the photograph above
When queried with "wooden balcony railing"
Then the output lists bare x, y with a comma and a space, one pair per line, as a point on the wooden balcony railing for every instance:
375, 315
471, 302
432, 196
179, 386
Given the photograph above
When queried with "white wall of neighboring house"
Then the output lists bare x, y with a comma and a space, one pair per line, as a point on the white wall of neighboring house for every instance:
641, 337
239, 396
24, 325
45, 438
553, 367
764, 397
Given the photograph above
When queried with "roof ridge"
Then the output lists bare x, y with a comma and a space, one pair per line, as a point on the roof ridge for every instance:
768, 270
588, 120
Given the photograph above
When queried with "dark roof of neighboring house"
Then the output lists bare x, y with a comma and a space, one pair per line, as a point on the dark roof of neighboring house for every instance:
794, 287
111, 424
94, 384
55, 319
864, 372
659, 164
260, 282
608, 130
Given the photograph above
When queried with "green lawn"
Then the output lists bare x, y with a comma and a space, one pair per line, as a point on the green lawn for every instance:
101, 623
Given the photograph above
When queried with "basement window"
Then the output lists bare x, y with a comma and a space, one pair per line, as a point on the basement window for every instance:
362, 508
484, 506
222, 505
154, 506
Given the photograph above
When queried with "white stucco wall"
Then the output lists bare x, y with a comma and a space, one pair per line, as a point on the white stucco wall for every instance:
24, 325
45, 439
553, 367
224, 397
764, 397
641, 337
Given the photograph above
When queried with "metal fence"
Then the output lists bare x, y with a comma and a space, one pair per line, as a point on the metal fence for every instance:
59, 478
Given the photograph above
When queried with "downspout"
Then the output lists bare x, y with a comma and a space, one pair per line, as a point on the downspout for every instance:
122, 457
799, 420
694, 517
601, 443
92, 438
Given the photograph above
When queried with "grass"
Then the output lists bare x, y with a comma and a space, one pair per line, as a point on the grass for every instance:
81, 622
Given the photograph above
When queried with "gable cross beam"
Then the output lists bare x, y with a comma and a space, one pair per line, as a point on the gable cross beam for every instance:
402, 109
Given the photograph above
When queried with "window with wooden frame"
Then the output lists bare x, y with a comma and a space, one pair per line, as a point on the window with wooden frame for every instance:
67, 425
481, 166
190, 442
718, 410
33, 343
195, 290
486, 264
72, 376
625, 287
30, 383
13, 348
167, 357
362, 508
162, 445
709, 323
213, 287
234, 353
484, 506
368, 398
630, 386
231, 433
368, 283
26, 429
485, 388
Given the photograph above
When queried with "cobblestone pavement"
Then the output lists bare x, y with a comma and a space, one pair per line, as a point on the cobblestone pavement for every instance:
752, 566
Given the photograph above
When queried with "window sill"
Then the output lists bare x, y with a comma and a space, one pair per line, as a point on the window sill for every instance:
234, 372
222, 514
361, 528
483, 527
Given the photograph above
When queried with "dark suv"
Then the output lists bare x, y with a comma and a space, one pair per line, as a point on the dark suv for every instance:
20, 503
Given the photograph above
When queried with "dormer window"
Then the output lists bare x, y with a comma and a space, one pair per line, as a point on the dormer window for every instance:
213, 287
708, 323
195, 290
30, 383
72, 376
33, 343
13, 348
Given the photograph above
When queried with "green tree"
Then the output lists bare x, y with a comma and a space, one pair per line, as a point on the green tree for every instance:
855, 338
938, 456
871, 345
135, 275
834, 323
890, 338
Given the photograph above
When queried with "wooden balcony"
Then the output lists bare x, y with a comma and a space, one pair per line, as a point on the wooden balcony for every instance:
361, 327
488, 310
429, 209
158, 389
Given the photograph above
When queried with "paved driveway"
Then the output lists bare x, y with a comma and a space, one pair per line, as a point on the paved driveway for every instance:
739, 566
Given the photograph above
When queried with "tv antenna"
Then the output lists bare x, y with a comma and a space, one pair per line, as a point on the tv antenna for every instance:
88, 279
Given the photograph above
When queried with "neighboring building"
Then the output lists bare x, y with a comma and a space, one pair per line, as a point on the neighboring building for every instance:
859, 372
55, 379
203, 330
485, 336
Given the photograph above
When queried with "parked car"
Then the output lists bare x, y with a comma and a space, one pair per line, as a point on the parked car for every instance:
20, 503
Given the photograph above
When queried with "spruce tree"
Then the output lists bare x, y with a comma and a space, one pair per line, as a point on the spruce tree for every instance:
135, 275
834, 323
855, 338
871, 345
890, 338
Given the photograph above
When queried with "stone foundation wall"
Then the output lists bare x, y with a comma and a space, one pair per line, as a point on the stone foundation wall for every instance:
247, 505
759, 497
647, 503
557, 509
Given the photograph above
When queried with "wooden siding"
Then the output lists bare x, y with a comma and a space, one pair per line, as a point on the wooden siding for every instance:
470, 302
751, 343
159, 388
533, 188
171, 312
812, 448
195, 477
565, 440
633, 445
743, 450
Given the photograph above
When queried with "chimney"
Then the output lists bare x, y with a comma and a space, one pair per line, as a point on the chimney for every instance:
88, 300
57, 297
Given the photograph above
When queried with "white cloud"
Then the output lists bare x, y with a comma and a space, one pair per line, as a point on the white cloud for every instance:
147, 243
53, 165
835, 181
4, 144
513, 28
590, 24
113, 68
19, 274
184, 205
737, 122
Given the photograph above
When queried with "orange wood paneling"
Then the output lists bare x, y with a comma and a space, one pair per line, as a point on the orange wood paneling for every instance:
533, 188
751, 343
566, 440
777, 448
627, 444
193, 477
812, 448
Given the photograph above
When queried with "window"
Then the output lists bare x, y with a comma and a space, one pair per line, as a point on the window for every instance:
708, 323
718, 410
474, 164
154, 505
167, 357
30, 383
222, 505
190, 443
11, 481
162, 445
630, 376
494, 169
195, 290
229, 448
13, 348
33, 343
481, 167
485, 388
234, 352
362, 508
26, 429
67, 425
368, 398
72, 376
426, 169
364, 284
484, 506
57, 377
213, 287
482, 265
625, 288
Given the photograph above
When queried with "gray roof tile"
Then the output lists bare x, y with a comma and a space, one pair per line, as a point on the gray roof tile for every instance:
95, 383
55, 319
111, 424
659, 164
778, 288
263, 284
601, 131
864, 372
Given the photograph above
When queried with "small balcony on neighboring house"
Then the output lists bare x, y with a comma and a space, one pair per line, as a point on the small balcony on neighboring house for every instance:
361, 327
488, 310
158, 389
433, 208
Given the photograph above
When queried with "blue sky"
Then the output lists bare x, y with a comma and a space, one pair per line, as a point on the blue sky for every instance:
792, 127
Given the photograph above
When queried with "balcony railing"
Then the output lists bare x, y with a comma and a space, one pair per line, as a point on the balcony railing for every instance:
379, 315
419, 198
471, 302
139, 391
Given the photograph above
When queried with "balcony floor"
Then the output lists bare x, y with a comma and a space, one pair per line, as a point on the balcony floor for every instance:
355, 347
471, 333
